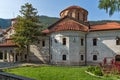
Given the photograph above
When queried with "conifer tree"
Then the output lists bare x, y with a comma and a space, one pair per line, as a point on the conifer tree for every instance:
27, 27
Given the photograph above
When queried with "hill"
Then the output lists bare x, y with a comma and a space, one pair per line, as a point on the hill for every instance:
102, 22
47, 21
5, 23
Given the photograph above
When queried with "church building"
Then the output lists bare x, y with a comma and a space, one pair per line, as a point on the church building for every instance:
71, 41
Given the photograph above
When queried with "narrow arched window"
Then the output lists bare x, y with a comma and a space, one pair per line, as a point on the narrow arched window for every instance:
64, 57
117, 41
78, 15
64, 41
117, 58
94, 42
43, 43
94, 57
82, 42
82, 57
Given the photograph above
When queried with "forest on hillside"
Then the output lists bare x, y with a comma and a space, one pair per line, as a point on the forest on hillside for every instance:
47, 21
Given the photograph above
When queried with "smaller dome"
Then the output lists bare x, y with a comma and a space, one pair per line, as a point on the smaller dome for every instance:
75, 12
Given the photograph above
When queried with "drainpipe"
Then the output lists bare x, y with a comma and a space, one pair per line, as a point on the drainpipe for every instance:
49, 50
86, 43
86, 48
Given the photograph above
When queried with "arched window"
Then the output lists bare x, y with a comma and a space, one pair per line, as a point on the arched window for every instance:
117, 41
117, 58
94, 57
82, 42
25, 56
64, 41
78, 16
82, 57
64, 57
43, 43
94, 42
1, 55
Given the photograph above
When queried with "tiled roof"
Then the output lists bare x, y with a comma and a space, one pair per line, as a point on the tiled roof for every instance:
46, 31
8, 43
106, 26
76, 26
67, 25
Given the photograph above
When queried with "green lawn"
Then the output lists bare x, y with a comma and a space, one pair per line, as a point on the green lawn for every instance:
54, 73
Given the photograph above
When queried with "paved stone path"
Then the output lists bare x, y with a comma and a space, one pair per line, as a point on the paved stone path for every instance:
4, 65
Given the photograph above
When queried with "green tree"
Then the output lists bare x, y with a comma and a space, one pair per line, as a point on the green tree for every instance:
27, 27
110, 6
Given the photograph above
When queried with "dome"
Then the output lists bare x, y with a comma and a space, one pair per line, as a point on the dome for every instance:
75, 12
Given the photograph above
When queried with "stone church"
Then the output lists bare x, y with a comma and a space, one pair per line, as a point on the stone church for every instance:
69, 41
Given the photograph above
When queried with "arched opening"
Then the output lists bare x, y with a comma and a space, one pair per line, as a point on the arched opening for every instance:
94, 57
117, 58
94, 41
1, 55
78, 16
64, 57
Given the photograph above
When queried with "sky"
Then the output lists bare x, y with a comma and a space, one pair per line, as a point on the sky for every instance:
10, 8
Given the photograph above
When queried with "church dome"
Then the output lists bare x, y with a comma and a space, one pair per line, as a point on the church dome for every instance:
75, 12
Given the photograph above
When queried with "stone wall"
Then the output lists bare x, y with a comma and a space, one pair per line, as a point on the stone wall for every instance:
40, 53
72, 49
106, 45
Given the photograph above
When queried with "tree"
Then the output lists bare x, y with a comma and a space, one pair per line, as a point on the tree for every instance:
27, 27
110, 6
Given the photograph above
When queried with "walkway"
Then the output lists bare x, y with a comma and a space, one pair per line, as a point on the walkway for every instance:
4, 65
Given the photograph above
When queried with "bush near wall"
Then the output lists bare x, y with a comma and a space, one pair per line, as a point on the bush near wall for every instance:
95, 70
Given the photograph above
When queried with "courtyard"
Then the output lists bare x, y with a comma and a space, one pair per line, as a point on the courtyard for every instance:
48, 72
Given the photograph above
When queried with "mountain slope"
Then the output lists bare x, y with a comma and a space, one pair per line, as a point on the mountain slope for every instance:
5, 23
47, 21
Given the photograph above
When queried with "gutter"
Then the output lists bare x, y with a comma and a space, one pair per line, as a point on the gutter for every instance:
86, 48
86, 44
49, 49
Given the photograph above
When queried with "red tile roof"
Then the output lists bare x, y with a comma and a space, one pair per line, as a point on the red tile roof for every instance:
106, 26
8, 43
46, 31
67, 25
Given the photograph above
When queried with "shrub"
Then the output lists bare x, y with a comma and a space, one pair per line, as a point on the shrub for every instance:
91, 69
95, 70
98, 71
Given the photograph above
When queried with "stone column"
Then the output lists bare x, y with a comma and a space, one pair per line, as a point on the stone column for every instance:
8, 56
14, 57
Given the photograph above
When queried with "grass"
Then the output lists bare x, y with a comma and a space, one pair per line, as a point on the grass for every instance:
55, 73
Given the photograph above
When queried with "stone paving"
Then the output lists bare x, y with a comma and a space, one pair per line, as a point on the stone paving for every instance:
4, 65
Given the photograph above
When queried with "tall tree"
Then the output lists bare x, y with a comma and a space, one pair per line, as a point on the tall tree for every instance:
110, 6
27, 27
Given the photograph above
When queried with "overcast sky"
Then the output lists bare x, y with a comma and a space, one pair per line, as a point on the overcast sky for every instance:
52, 8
